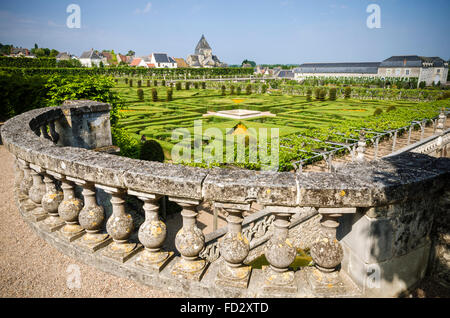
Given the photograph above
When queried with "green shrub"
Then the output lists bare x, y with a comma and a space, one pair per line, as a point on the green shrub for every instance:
377, 112
131, 83
140, 93
347, 92
148, 83
151, 150
391, 108
238, 90
169, 94
129, 146
248, 89
232, 90
308, 95
322, 94
155, 83
317, 93
187, 85
332, 93
163, 83
126, 80
154, 95
263, 88
203, 85
196, 85
223, 88
178, 86
139, 83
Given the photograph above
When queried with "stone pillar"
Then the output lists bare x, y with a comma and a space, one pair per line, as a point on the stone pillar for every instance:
69, 210
152, 234
361, 146
234, 248
280, 253
36, 193
119, 226
50, 203
190, 242
440, 132
326, 251
27, 181
18, 175
91, 218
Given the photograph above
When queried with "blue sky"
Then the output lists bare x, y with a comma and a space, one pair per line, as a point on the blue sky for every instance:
266, 31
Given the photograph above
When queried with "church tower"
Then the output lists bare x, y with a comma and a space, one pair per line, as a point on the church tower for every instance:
203, 47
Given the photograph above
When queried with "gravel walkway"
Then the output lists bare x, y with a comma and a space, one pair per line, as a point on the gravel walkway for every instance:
29, 267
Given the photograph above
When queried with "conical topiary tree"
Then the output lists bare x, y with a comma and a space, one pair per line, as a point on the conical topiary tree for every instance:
151, 150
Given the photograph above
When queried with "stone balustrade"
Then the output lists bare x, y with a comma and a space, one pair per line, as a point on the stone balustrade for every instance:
54, 157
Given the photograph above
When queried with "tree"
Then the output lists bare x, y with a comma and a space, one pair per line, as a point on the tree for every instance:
252, 63
140, 93
131, 53
151, 150
154, 95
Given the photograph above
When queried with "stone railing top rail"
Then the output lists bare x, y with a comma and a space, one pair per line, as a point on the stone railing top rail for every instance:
355, 185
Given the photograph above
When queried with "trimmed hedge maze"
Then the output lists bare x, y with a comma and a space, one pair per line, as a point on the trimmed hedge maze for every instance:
303, 125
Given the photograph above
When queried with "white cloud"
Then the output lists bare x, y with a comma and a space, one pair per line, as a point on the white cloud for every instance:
147, 9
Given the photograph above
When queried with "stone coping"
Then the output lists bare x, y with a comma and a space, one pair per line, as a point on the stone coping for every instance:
367, 184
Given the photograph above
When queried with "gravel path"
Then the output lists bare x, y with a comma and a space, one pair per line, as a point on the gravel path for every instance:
29, 267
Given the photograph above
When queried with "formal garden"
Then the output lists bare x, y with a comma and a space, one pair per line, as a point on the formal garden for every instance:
312, 117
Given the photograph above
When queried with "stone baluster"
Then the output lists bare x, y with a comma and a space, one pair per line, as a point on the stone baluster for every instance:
280, 253
54, 135
409, 134
361, 146
36, 194
119, 226
326, 251
394, 141
18, 175
27, 181
44, 133
440, 128
69, 210
152, 234
91, 218
377, 141
234, 248
50, 203
190, 242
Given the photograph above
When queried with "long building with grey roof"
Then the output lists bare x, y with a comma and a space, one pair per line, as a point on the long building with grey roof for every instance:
427, 69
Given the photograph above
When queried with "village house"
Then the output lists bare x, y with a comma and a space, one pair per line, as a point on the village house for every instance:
162, 60
91, 58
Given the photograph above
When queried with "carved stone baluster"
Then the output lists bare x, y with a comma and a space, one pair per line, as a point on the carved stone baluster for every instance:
190, 242
119, 226
327, 254
18, 176
440, 128
326, 251
69, 210
280, 253
234, 248
27, 181
36, 194
91, 219
50, 203
152, 234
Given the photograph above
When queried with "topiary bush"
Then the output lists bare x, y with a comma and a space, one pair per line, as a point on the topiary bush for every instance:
377, 112
332, 93
203, 85
151, 150
139, 83
155, 83
317, 93
131, 83
391, 108
140, 93
178, 86
148, 83
347, 92
126, 80
223, 88
169, 94
187, 85
263, 88
248, 89
238, 90
308, 95
232, 90
322, 94
196, 85
154, 95
163, 83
